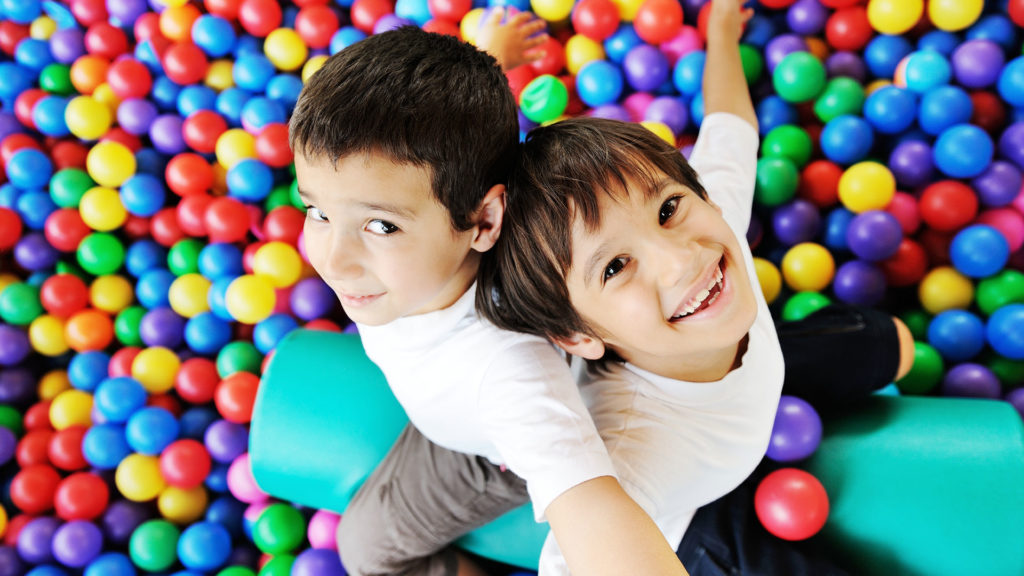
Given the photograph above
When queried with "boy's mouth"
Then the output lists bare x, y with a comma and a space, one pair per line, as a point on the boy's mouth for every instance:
705, 297
353, 301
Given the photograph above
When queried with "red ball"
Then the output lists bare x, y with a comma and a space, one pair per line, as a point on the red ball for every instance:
65, 449
819, 183
553, 60
65, 229
15, 142
446, 27
129, 78
165, 401
147, 27
777, 4
68, 154
14, 528
33, 487
272, 145
316, 25
365, 13
89, 12
81, 496
188, 173
249, 255
227, 9
989, 112
907, 266
105, 39
185, 63
121, 136
1016, 11
236, 395
37, 417
201, 130
702, 21
165, 228
658, 21
936, 246
34, 448
63, 295
836, 4
25, 103
121, 361
948, 205
449, 10
260, 17
136, 227
10, 228
227, 220
849, 29
197, 380
11, 34
185, 464
191, 211
284, 223
791, 504
519, 77
904, 207
598, 19
322, 324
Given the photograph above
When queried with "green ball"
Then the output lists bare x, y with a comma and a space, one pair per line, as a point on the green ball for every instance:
11, 419
841, 96
19, 304
66, 267
100, 253
56, 79
803, 304
777, 180
183, 257
279, 196
236, 571
926, 373
1004, 288
238, 356
917, 320
126, 325
280, 565
1010, 372
753, 63
800, 77
154, 545
68, 186
293, 195
279, 529
788, 141
544, 99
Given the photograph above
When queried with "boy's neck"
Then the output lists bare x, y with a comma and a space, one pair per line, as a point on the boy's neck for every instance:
460, 282
707, 367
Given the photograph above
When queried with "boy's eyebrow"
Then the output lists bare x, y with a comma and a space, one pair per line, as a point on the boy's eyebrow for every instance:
596, 259
307, 198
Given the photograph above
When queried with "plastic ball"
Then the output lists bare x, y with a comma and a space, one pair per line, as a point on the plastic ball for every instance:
808, 267
155, 368
150, 430
874, 235
926, 371
236, 396
971, 380
204, 546
552, 10
944, 288
777, 180
791, 504
790, 142
1006, 287
796, 432
32, 488
279, 529
907, 266
799, 77
110, 564
866, 186
1005, 331
859, 283
241, 483
323, 526
657, 21
890, 109
102, 210
153, 545
948, 205
847, 139
953, 15
187, 295
894, 16
87, 118
316, 562
110, 163
182, 506
979, 251
138, 478
796, 222
599, 83
957, 334
77, 543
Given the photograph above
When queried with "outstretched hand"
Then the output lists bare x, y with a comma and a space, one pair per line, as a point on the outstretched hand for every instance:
512, 43
727, 19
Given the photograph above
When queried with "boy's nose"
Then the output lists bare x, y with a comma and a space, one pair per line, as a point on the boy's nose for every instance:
344, 259
673, 260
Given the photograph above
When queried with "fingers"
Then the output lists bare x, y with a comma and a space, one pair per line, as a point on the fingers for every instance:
534, 55
534, 42
494, 16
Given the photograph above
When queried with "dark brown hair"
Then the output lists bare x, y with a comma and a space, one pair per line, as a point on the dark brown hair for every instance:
419, 98
562, 171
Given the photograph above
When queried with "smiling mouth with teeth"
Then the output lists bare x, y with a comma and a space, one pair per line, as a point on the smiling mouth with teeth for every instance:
705, 298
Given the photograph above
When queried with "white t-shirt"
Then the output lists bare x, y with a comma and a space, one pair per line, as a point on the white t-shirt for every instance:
471, 387
680, 445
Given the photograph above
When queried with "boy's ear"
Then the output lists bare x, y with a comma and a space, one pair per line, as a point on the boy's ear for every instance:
489, 217
581, 345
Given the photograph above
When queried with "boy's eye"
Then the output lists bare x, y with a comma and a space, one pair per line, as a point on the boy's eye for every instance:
668, 209
613, 268
382, 227
316, 214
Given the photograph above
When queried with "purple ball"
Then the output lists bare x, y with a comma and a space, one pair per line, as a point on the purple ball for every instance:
162, 327
874, 235
780, 47
796, 432
1011, 144
859, 283
243, 555
67, 45
525, 124
318, 562
972, 381
807, 17
846, 64
9, 124
35, 538
77, 543
226, 441
796, 222
121, 518
311, 298
14, 345
390, 22
670, 111
977, 63
126, 12
350, 328
911, 163
136, 115
8, 445
645, 68
165, 132
610, 112
17, 386
10, 563
34, 252
1014, 397
999, 184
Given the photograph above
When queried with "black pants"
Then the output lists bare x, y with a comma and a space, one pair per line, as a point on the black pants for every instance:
834, 358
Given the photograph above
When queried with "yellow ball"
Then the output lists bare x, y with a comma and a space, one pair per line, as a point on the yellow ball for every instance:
954, 15
470, 24
101, 209
769, 277
46, 334
580, 51
71, 408
87, 117
111, 293
233, 146
279, 263
894, 16
875, 85
866, 186
105, 94
182, 506
808, 267
220, 180
52, 384
6, 280
188, 295
311, 66
219, 75
110, 163
661, 130
42, 28
250, 299
285, 49
3, 521
943, 288
628, 8
138, 477
156, 368
552, 10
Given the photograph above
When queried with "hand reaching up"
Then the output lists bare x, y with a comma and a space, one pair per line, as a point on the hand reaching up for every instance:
512, 43
727, 19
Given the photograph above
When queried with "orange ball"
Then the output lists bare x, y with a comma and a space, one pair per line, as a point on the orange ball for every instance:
88, 72
89, 329
176, 22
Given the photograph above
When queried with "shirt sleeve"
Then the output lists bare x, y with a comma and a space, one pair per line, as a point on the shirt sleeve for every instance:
725, 158
532, 410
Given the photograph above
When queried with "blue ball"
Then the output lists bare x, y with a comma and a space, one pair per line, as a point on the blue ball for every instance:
1011, 82
195, 421
195, 97
110, 564
205, 333
979, 251
252, 72
996, 28
220, 259
773, 111
269, 332
152, 288
688, 75
230, 103
21, 11
150, 161
621, 42
943, 107
217, 298
927, 69
250, 180
259, 111
1005, 331
416, 10
847, 139
599, 83
34, 207
883, 53
204, 546
958, 335
165, 94
836, 224
248, 45
144, 255
48, 116
87, 369
14, 79
104, 446
963, 151
217, 479
890, 109
150, 430
345, 37
29, 169
939, 41
759, 30
117, 399
284, 89
228, 512
143, 194
214, 34
33, 54
697, 109
9, 195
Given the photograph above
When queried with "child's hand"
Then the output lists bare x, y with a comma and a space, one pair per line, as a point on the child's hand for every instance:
727, 19
513, 43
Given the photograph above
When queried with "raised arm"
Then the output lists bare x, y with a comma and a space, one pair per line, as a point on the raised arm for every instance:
725, 86
512, 42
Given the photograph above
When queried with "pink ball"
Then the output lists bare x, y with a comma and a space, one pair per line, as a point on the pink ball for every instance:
241, 484
301, 244
904, 207
1018, 202
686, 41
636, 104
253, 511
1009, 223
322, 529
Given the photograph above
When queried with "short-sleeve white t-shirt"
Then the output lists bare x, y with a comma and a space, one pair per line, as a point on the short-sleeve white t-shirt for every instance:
474, 388
680, 445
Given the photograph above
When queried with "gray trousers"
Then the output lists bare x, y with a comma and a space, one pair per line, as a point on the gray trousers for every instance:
419, 500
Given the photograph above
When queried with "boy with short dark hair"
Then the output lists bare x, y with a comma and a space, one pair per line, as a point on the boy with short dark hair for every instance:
402, 143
